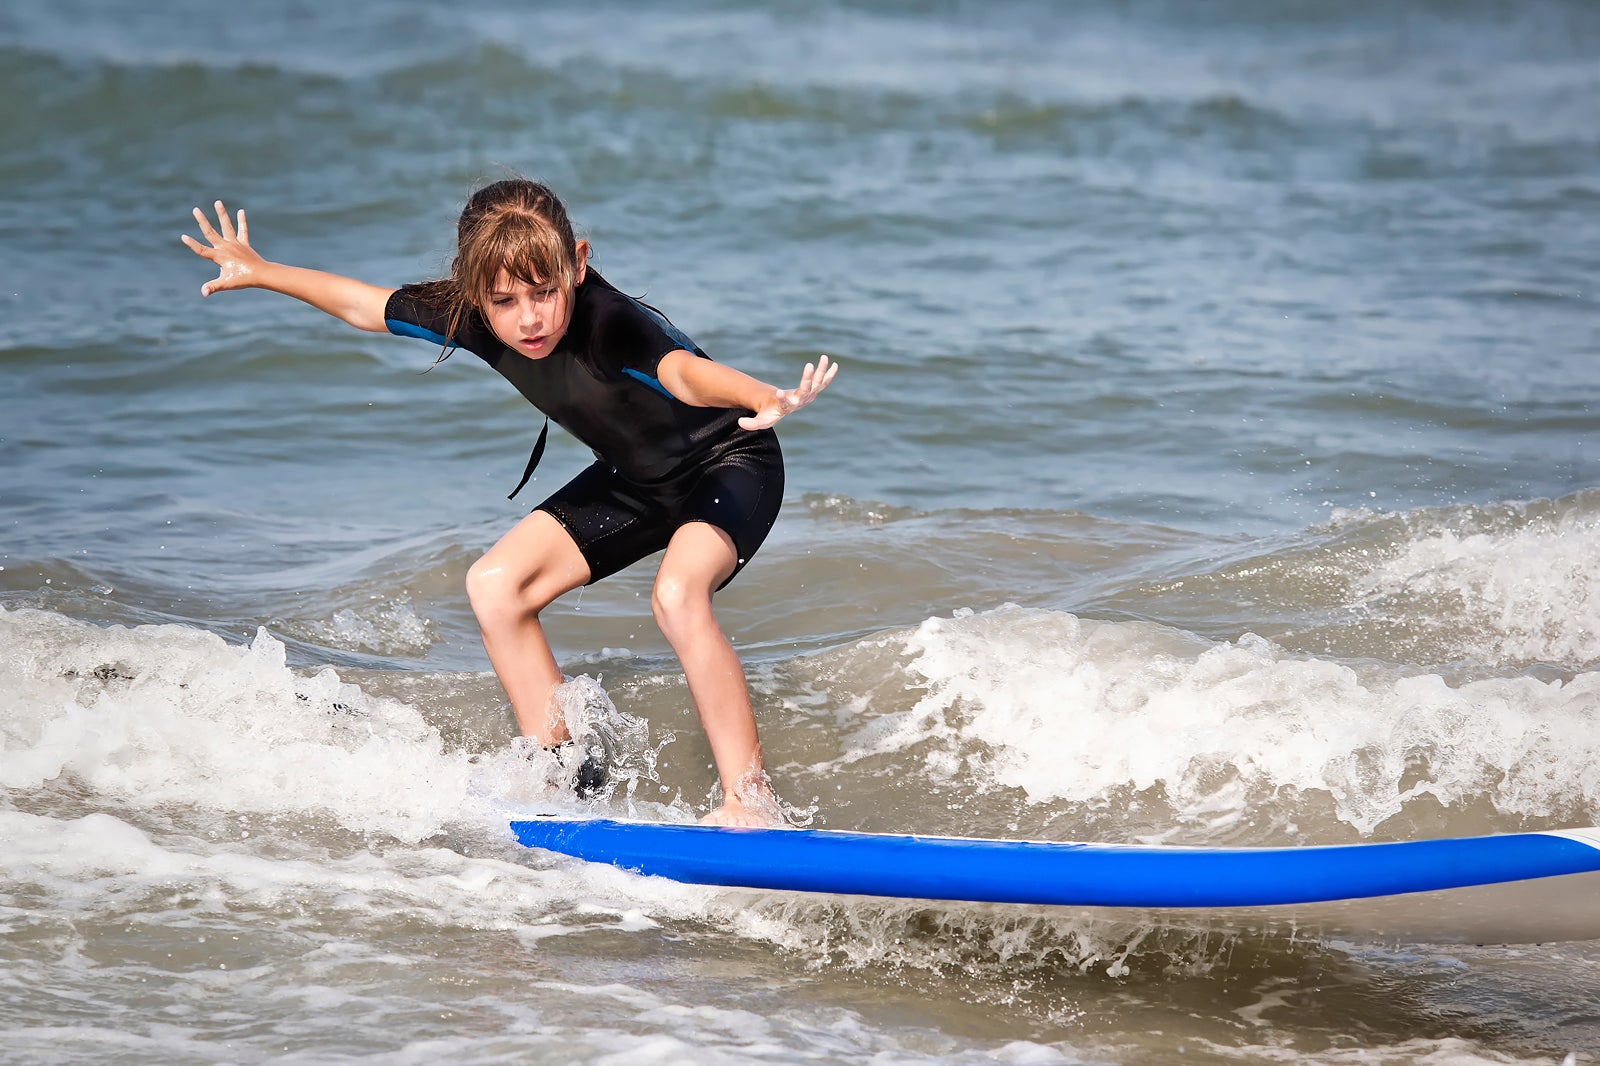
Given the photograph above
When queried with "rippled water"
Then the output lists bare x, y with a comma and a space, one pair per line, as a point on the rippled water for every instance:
1211, 463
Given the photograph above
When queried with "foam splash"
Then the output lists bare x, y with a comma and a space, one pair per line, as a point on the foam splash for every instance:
101, 865
1471, 592
169, 714
621, 741
1080, 711
391, 627
1023, 945
1520, 588
1480, 588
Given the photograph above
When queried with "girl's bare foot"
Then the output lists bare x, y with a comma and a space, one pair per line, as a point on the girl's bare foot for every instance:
752, 805
737, 814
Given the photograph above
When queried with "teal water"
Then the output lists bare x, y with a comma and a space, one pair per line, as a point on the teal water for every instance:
1212, 462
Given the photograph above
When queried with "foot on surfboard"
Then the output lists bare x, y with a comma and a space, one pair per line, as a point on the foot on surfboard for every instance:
589, 765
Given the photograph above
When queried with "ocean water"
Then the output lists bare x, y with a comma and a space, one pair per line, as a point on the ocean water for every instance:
1213, 462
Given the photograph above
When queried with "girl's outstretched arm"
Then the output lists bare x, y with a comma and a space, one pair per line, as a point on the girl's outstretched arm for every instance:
703, 383
240, 266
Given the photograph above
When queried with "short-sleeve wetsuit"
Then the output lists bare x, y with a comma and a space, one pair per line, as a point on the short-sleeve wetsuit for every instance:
659, 463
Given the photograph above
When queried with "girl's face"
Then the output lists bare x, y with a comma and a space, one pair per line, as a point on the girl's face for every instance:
530, 319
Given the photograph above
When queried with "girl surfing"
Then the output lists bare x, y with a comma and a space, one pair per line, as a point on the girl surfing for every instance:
686, 462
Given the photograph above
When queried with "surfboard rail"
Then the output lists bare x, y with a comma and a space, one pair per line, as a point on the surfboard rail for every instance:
1061, 873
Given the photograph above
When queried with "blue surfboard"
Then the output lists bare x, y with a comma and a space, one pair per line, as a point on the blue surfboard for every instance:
1557, 872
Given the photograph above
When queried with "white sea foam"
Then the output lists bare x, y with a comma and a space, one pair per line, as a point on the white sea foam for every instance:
1482, 589
1077, 710
1527, 593
390, 627
154, 715
159, 714
100, 864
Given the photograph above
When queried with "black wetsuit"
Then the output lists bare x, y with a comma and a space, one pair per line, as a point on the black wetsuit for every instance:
660, 463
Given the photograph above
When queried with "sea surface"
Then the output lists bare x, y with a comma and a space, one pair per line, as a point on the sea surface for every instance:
1215, 461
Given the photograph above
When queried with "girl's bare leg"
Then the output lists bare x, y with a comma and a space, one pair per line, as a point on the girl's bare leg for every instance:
699, 558
535, 562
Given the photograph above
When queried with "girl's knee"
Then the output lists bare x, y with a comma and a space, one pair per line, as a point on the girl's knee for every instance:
677, 604
498, 592
486, 586
510, 587
666, 599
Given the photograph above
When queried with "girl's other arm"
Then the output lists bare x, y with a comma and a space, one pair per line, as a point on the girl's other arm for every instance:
240, 266
703, 383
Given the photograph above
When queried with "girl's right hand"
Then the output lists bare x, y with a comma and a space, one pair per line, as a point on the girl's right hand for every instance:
238, 264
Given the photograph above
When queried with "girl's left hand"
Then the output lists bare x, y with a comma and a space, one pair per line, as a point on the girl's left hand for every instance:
787, 401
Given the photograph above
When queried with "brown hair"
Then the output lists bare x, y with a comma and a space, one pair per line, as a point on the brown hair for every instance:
515, 225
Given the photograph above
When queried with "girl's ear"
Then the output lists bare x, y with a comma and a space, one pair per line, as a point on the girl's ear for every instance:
581, 251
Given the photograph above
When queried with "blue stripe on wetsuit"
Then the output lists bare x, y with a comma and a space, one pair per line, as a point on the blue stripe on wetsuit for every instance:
407, 329
639, 375
677, 335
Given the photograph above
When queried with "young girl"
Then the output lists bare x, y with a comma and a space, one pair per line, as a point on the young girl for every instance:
686, 460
